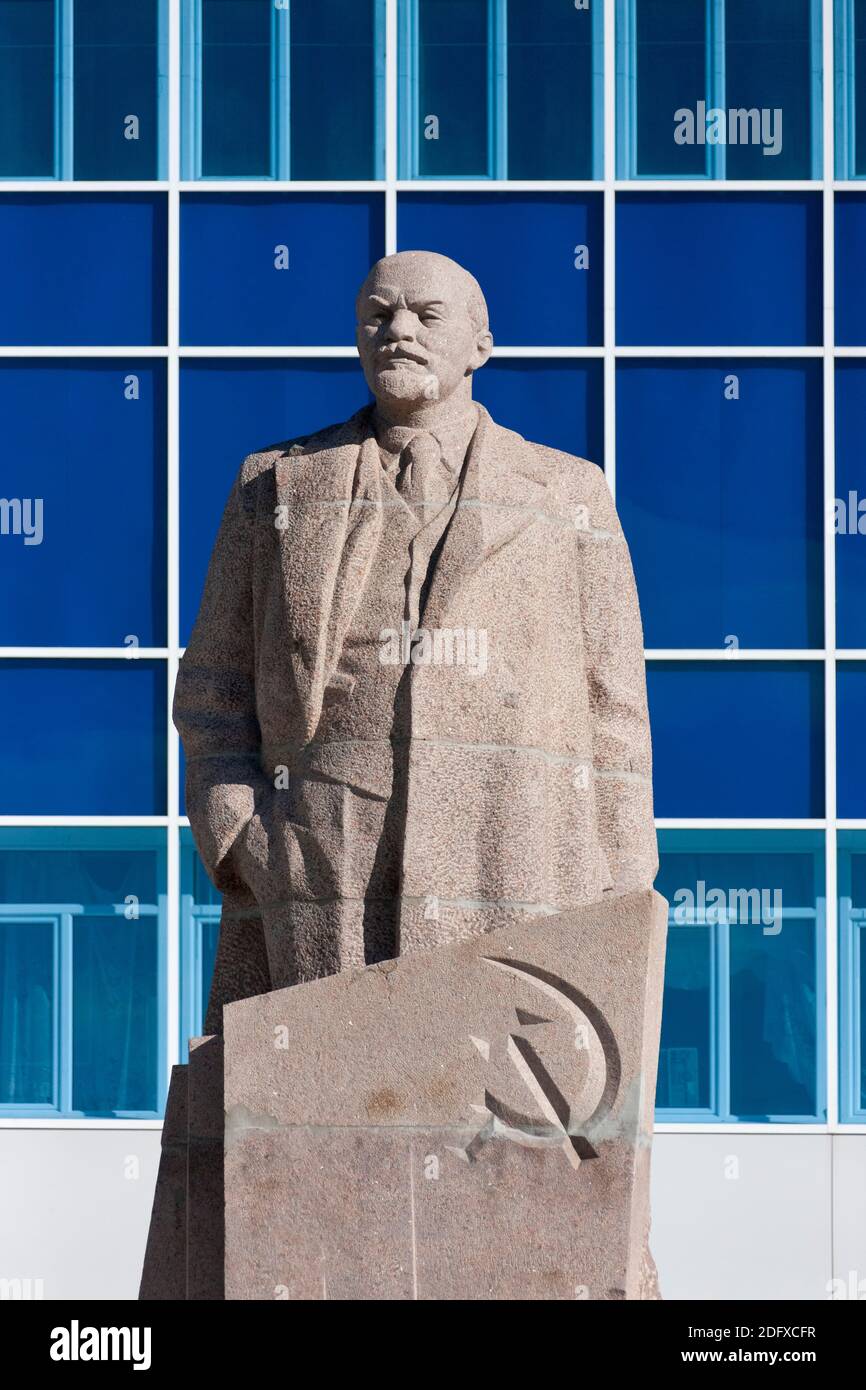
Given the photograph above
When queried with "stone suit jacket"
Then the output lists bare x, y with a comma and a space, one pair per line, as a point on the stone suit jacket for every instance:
529, 783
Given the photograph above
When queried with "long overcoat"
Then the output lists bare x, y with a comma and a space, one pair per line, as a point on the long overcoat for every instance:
526, 757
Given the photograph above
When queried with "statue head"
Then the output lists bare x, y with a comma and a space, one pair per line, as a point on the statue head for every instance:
422, 331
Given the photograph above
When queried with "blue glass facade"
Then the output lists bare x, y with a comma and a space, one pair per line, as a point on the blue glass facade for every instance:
704, 342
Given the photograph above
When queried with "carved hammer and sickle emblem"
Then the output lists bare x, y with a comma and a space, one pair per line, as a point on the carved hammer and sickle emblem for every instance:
561, 1115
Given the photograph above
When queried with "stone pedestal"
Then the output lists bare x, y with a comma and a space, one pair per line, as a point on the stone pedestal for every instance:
469, 1122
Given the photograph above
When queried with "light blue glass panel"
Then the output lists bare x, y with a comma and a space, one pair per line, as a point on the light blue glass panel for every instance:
84, 946
115, 1014
858, 96
27, 997
742, 1027
333, 93
26, 88
452, 134
115, 77
773, 1021
768, 71
550, 90
236, 88
671, 60
686, 1047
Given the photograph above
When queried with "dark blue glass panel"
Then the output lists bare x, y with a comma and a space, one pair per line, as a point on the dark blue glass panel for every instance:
768, 66
332, 88
859, 86
850, 279
851, 745
81, 270
773, 1021
550, 115
727, 492
26, 89
231, 409
452, 88
99, 475
553, 402
534, 300
737, 739
718, 268
236, 88
115, 1014
115, 77
684, 1052
671, 75
85, 737
850, 503
27, 996
231, 291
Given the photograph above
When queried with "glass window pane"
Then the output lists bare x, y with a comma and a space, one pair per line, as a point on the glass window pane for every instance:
89, 737
489, 233
550, 90
737, 739
238, 287
558, 403
82, 269
850, 281
108, 885
744, 913
671, 76
859, 94
452, 119
115, 1014
233, 408
850, 518
773, 1020
768, 71
860, 986
719, 477
236, 88
704, 269
115, 89
26, 1011
91, 415
26, 89
851, 745
684, 1054
332, 89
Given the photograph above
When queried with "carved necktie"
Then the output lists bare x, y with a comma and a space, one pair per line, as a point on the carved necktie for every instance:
425, 481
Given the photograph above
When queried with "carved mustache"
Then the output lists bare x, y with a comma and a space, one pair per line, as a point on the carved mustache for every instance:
401, 355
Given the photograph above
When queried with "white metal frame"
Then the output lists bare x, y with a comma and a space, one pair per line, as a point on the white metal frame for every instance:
609, 353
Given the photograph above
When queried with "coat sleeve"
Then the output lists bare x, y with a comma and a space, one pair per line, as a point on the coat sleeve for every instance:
214, 702
616, 679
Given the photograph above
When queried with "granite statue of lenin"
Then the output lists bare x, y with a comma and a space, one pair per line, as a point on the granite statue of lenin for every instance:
413, 706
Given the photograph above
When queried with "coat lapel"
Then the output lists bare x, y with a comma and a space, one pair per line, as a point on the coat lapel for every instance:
502, 493
330, 492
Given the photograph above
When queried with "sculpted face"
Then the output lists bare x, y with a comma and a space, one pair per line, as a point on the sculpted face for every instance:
422, 331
